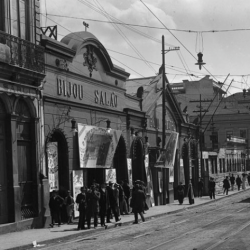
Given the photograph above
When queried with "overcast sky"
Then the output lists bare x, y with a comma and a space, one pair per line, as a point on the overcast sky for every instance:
223, 52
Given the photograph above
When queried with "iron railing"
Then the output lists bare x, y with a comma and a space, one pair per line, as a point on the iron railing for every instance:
23, 53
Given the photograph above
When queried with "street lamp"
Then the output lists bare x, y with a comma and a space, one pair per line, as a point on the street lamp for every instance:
73, 126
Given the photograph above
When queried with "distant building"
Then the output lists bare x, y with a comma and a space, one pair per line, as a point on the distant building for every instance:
225, 141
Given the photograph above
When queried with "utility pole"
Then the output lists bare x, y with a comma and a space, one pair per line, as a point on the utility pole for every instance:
200, 131
164, 175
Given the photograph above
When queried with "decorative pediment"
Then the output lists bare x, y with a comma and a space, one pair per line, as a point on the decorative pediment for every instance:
89, 59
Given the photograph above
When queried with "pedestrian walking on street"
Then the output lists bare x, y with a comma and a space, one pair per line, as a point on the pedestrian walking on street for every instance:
55, 204
226, 185
122, 202
211, 188
116, 195
244, 178
238, 182
137, 203
180, 191
113, 204
69, 202
93, 208
81, 201
190, 193
248, 179
126, 190
232, 180
104, 203
200, 187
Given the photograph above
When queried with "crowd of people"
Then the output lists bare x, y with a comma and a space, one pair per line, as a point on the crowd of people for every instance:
101, 202
228, 182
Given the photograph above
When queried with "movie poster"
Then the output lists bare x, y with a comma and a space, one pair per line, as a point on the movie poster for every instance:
110, 175
167, 157
77, 180
182, 174
97, 146
130, 180
149, 188
52, 156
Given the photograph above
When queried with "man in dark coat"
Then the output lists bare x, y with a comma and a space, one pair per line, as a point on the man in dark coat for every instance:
55, 204
126, 190
93, 197
104, 203
226, 185
113, 204
200, 187
238, 182
232, 180
137, 203
211, 188
82, 203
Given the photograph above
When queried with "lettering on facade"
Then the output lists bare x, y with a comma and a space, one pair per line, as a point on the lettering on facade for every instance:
16, 89
69, 89
105, 99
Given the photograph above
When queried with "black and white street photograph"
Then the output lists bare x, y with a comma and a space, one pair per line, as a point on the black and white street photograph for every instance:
124, 125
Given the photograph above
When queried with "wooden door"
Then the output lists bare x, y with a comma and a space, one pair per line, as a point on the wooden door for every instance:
3, 177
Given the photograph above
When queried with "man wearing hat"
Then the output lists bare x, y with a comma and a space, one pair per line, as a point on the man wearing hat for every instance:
55, 204
81, 202
113, 204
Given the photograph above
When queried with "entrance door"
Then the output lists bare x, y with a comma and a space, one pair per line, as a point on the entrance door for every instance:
3, 177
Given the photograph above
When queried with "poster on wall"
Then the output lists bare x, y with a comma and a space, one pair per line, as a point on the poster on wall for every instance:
77, 180
97, 146
130, 180
167, 157
110, 175
149, 188
160, 181
52, 156
182, 174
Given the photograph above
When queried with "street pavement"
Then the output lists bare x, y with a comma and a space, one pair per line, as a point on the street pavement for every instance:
26, 239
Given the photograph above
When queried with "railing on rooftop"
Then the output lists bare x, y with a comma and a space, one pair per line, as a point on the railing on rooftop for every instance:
21, 53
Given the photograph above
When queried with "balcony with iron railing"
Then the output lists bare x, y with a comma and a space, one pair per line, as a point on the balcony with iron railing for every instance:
21, 53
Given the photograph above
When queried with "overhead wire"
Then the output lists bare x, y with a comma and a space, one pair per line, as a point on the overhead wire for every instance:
152, 27
123, 35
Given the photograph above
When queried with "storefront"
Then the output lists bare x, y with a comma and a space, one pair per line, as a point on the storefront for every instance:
84, 121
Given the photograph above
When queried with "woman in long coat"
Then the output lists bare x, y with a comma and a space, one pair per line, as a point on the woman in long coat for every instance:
238, 182
180, 190
137, 203
190, 193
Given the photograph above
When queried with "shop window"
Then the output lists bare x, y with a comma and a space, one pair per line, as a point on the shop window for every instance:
224, 167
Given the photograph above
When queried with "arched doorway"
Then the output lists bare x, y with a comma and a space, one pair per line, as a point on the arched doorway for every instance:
26, 155
138, 156
4, 209
120, 161
60, 161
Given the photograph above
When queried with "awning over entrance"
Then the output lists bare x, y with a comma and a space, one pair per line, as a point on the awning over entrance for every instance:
97, 146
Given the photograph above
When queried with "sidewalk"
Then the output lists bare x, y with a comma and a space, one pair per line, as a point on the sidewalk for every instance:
24, 239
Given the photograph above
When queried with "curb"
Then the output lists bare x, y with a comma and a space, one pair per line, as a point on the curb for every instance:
89, 232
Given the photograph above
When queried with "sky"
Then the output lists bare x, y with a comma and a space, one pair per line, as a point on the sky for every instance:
184, 24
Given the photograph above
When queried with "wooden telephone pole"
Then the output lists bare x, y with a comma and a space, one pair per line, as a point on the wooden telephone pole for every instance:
164, 174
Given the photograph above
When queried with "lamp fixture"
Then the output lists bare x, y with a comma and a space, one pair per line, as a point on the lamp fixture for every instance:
73, 127
108, 126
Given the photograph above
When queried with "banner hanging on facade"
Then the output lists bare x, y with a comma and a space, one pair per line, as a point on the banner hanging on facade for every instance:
77, 180
97, 146
167, 157
52, 156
